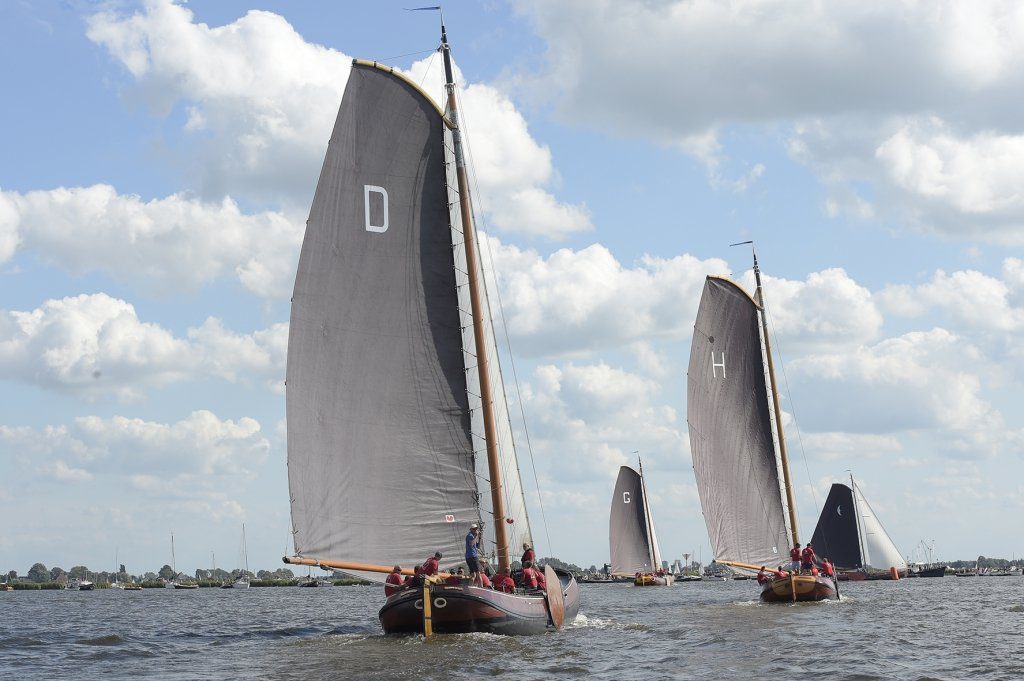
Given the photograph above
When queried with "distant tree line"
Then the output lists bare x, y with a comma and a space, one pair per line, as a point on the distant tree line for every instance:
40, 574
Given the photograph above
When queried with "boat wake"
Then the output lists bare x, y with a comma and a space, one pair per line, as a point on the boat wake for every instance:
582, 621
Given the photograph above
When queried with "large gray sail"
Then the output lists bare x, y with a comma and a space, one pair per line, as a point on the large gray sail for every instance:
628, 534
731, 439
380, 461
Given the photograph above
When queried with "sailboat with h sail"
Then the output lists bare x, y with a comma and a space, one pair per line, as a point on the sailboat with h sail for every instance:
398, 432
632, 540
737, 441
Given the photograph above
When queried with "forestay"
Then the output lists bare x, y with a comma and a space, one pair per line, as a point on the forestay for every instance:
629, 531
735, 459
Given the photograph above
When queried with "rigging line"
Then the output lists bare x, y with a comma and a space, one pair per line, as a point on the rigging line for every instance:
508, 342
792, 405
407, 54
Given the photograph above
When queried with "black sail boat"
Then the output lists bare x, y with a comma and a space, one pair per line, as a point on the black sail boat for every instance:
851, 536
737, 441
398, 435
633, 543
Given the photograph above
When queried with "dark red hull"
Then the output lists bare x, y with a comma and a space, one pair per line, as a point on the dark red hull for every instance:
458, 609
796, 588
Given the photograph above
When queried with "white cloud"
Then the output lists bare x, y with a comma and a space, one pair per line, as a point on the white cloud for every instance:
166, 245
919, 384
971, 299
151, 455
911, 107
586, 420
574, 301
261, 101
95, 345
838, 446
826, 310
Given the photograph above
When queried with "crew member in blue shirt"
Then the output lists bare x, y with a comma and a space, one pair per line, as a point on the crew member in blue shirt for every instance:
473, 553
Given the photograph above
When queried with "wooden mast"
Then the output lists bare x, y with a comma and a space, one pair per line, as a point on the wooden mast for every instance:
857, 523
647, 515
476, 306
776, 406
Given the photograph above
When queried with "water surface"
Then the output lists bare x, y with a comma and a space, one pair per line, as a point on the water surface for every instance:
946, 628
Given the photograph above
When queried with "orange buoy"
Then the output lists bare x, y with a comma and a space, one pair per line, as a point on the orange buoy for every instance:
894, 574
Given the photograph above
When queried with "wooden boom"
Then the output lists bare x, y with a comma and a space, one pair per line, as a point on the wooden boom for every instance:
348, 565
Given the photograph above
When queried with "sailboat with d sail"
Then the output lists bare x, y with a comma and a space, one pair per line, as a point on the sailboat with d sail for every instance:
850, 534
633, 543
395, 404
737, 441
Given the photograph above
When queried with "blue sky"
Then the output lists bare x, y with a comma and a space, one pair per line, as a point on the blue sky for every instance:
159, 160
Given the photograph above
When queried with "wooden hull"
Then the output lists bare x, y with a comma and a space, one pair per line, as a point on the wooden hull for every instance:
853, 576
798, 588
458, 609
653, 580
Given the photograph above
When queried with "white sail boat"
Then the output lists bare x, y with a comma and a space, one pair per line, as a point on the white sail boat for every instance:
633, 542
178, 581
242, 581
737, 440
398, 435
851, 536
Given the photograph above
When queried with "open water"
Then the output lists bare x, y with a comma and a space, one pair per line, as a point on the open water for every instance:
946, 628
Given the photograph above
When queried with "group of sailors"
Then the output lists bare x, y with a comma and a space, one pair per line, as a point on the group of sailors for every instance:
802, 562
479, 572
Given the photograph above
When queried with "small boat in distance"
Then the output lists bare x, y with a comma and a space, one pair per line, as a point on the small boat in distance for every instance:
242, 581
178, 580
850, 535
398, 430
633, 543
737, 441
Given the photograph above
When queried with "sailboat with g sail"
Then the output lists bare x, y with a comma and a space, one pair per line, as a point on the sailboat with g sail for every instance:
737, 440
633, 543
398, 433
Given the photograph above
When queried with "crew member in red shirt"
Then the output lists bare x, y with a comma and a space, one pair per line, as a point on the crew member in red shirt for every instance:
394, 582
430, 564
762, 576
807, 557
416, 579
529, 576
781, 574
527, 554
485, 581
814, 570
458, 577
503, 582
794, 558
830, 571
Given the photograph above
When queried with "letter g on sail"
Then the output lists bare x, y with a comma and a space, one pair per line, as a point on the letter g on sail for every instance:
625, 497
369, 189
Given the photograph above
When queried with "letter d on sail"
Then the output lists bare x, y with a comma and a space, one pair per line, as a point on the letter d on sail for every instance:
371, 189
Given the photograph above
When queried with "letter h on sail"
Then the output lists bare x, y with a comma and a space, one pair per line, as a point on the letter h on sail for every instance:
715, 365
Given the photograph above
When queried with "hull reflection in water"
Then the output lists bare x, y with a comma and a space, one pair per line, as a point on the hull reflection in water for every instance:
459, 609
